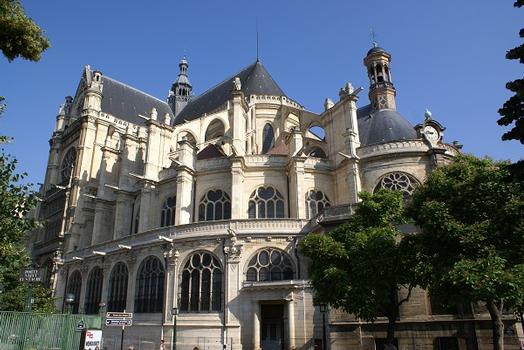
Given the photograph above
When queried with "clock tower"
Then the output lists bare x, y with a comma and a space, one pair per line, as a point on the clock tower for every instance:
381, 90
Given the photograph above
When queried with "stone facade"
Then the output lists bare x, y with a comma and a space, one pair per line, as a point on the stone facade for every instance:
202, 202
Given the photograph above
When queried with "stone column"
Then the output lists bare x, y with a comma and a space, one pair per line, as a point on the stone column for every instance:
256, 325
185, 178
291, 323
352, 141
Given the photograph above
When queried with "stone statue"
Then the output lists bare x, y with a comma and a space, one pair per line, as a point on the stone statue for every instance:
237, 83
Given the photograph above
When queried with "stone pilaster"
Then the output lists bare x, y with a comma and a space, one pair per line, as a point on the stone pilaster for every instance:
185, 182
237, 122
296, 187
237, 190
232, 252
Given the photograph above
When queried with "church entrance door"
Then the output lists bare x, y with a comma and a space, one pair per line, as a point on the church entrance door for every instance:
272, 327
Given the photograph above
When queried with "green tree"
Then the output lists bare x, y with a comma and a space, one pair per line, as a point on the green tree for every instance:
471, 214
16, 201
513, 109
19, 35
361, 266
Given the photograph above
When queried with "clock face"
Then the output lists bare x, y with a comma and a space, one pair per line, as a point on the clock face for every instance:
431, 133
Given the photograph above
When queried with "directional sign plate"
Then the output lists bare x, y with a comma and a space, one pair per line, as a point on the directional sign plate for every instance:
115, 322
120, 315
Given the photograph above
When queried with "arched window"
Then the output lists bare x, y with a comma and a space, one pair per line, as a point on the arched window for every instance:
270, 264
317, 152
94, 291
117, 295
67, 164
266, 202
397, 181
136, 219
186, 135
214, 205
149, 286
315, 202
201, 287
268, 138
74, 287
215, 129
168, 212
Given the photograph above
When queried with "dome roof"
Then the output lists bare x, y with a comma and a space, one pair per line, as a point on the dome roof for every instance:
375, 49
383, 126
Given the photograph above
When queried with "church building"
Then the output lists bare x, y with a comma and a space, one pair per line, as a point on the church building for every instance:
189, 211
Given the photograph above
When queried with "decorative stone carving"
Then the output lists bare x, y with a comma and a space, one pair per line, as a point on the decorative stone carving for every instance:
233, 250
237, 84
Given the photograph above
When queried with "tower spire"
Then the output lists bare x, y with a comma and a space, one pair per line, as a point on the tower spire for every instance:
382, 92
181, 90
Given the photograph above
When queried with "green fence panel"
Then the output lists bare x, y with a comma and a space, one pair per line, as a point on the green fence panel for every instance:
30, 331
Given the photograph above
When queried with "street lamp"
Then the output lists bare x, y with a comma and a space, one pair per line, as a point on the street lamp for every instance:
323, 309
174, 312
69, 300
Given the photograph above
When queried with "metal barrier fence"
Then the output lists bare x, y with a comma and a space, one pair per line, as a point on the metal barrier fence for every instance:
30, 331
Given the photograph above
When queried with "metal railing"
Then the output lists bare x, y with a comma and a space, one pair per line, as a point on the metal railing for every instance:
31, 331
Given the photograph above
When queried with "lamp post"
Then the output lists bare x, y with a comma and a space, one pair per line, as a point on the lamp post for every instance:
323, 309
174, 312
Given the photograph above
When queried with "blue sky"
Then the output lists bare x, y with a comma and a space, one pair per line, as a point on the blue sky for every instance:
448, 56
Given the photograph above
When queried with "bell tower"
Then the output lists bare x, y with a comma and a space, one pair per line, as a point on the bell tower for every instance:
382, 92
181, 90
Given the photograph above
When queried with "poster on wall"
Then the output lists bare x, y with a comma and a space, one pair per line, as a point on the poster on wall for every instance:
93, 340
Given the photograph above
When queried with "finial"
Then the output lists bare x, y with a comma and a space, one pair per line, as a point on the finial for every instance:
373, 37
427, 114
257, 38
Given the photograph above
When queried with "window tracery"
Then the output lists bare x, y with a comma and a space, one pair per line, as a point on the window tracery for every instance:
266, 202
167, 217
201, 287
397, 181
67, 164
214, 205
150, 286
270, 264
94, 291
74, 287
316, 201
118, 288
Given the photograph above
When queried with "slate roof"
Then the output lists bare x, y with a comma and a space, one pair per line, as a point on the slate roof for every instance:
383, 126
255, 80
376, 49
126, 102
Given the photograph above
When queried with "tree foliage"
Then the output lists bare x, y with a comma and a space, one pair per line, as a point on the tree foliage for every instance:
360, 267
19, 35
16, 201
471, 214
512, 111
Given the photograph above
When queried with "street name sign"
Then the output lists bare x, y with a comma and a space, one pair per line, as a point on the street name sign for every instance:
119, 315
30, 275
112, 322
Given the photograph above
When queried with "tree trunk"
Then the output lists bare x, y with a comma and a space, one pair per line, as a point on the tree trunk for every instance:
497, 325
392, 318
390, 337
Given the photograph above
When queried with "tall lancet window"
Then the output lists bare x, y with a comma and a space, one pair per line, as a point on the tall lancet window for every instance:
118, 288
167, 217
268, 138
201, 286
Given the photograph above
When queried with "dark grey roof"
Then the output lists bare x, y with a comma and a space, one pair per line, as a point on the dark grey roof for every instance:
376, 49
126, 102
383, 126
255, 80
